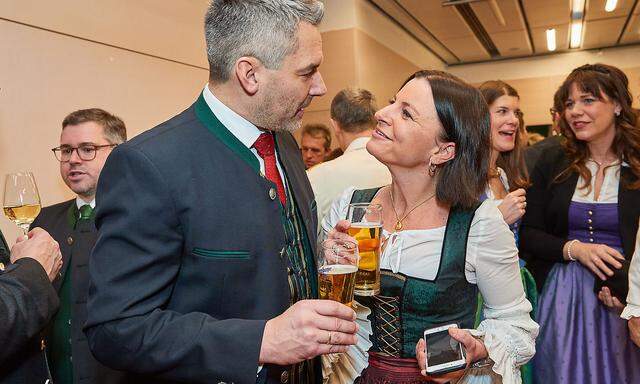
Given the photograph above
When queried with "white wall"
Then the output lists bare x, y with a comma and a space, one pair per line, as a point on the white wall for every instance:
44, 75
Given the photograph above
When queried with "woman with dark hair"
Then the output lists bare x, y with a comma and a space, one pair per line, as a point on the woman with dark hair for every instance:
581, 224
508, 176
442, 245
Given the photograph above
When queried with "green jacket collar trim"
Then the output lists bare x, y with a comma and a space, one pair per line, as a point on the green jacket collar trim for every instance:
72, 214
206, 117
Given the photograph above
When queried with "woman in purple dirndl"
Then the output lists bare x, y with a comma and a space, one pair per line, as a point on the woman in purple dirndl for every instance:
580, 226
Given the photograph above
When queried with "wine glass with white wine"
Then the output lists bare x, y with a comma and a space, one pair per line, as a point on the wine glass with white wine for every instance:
21, 199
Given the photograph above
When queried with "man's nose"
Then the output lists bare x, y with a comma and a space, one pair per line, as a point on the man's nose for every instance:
318, 88
75, 156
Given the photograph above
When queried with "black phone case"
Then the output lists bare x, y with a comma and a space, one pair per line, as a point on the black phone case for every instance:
618, 283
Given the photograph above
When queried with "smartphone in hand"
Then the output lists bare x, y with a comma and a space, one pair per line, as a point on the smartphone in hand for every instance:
444, 353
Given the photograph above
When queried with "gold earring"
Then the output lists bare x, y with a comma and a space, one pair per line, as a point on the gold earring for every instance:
432, 169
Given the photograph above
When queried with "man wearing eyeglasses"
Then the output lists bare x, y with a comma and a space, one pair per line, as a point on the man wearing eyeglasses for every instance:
554, 138
87, 138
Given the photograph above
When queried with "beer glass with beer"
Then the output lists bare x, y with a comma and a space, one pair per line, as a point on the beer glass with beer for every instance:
366, 227
337, 267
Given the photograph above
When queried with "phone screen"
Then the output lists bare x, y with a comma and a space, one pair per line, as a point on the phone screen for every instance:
442, 348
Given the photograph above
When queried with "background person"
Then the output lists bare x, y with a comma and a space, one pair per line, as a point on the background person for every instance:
352, 117
508, 176
580, 225
631, 311
315, 144
88, 136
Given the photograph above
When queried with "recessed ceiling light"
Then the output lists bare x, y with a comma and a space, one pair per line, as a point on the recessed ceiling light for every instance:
577, 9
551, 39
576, 34
610, 6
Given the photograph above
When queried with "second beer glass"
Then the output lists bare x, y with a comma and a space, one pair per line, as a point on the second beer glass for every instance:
366, 227
337, 267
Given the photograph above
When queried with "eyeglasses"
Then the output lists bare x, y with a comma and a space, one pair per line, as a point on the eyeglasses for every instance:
86, 152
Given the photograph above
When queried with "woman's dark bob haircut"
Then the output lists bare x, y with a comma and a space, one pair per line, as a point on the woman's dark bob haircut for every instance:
464, 115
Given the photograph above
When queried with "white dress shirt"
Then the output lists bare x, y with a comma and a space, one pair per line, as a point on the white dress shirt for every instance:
80, 203
491, 263
633, 298
355, 168
608, 190
241, 128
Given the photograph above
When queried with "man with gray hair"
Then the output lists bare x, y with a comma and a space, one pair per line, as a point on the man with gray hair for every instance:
204, 268
352, 118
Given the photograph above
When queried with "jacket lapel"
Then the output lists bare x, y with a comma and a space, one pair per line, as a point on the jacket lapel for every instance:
65, 222
209, 120
291, 161
628, 212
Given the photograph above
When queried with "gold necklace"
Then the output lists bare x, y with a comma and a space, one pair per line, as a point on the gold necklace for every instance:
398, 226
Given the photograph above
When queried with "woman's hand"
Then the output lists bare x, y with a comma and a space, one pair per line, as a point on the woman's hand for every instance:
339, 244
634, 330
513, 206
474, 351
599, 258
607, 298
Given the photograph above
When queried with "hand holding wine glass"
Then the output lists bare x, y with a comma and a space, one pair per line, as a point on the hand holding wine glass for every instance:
21, 199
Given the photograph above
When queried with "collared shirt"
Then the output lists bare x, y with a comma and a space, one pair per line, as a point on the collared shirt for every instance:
80, 203
355, 168
244, 130
609, 188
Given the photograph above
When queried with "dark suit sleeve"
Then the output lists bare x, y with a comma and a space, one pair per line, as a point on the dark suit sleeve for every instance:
536, 240
27, 303
134, 267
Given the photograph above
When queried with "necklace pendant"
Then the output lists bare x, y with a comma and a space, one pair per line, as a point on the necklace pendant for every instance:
398, 226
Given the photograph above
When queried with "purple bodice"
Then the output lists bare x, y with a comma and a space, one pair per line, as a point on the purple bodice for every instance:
595, 223
581, 340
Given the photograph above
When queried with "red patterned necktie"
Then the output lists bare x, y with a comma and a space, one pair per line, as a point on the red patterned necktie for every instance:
265, 147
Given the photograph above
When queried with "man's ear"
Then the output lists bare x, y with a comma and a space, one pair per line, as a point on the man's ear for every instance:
336, 126
446, 152
248, 70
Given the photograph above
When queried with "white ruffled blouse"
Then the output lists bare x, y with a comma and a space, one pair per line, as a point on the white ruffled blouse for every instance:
492, 264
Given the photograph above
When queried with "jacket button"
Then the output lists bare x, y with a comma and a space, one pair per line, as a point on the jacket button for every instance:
2, 267
70, 240
284, 377
272, 193
590, 213
589, 221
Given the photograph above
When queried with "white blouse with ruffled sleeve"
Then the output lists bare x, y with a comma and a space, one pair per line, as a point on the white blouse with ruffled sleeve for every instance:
492, 264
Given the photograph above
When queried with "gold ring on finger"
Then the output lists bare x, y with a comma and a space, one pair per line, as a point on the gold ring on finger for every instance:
330, 337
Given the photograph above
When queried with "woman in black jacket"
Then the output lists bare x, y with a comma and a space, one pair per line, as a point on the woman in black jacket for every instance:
579, 227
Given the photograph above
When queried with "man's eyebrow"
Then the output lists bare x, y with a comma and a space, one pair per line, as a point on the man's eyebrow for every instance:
309, 67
